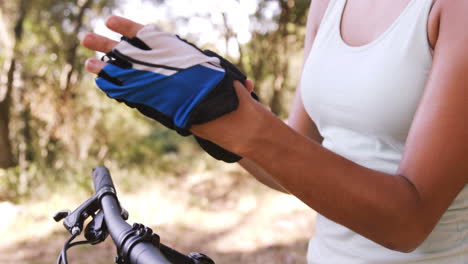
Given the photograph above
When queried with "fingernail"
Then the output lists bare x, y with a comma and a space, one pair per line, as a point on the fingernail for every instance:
87, 39
91, 64
111, 22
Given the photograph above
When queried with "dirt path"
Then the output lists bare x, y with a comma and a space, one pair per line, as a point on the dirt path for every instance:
230, 218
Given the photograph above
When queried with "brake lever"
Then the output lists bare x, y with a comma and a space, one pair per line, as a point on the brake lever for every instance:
60, 215
74, 221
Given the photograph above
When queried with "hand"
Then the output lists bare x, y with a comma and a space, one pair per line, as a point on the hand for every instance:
232, 131
217, 133
100, 43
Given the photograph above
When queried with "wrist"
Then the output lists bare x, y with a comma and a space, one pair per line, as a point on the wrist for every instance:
261, 133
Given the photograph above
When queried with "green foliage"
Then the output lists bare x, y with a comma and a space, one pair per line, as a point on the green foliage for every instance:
273, 56
62, 126
146, 149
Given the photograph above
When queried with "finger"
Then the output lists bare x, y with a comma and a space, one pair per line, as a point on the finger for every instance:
249, 85
123, 26
93, 65
240, 86
98, 43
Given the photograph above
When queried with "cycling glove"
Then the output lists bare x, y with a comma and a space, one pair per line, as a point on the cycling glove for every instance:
172, 81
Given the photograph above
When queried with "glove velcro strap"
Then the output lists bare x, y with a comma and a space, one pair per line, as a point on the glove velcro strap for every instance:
216, 151
220, 101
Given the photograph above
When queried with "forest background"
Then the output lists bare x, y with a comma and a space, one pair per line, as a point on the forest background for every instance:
55, 126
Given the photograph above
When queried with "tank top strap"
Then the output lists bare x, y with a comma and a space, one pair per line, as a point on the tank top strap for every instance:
330, 18
412, 20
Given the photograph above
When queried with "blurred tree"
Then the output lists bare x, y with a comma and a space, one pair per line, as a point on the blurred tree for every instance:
50, 119
56, 29
11, 52
39, 105
272, 58
277, 40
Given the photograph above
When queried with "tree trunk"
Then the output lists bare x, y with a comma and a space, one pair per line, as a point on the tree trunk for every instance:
6, 154
73, 49
69, 77
282, 68
25, 146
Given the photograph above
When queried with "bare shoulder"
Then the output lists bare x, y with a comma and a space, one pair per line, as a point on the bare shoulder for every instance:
446, 5
453, 12
449, 14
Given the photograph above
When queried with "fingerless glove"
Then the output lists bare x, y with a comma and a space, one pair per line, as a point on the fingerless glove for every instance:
172, 81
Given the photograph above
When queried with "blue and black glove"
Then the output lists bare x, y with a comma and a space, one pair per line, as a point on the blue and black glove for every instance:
172, 81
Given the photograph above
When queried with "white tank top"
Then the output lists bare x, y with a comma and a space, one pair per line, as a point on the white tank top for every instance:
363, 100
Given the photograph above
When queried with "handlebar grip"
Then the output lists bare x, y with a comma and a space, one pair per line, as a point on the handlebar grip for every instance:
101, 178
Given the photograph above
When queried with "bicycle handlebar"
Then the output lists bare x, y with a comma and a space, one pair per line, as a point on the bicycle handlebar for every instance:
142, 252
101, 178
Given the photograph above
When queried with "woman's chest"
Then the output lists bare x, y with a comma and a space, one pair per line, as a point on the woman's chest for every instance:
374, 93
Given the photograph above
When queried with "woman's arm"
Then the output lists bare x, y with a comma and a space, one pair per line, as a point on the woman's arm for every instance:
398, 210
299, 120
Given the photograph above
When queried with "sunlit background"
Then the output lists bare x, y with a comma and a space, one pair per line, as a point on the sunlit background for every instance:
55, 126
206, 21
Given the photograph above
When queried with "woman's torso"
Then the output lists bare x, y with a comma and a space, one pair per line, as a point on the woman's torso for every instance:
363, 99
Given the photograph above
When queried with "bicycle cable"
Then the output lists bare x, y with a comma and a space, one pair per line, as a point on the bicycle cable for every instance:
68, 245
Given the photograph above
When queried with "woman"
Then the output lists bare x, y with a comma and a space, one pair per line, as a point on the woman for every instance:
377, 141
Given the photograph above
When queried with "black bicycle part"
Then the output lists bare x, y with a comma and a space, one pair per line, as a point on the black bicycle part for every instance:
66, 246
96, 231
135, 244
201, 258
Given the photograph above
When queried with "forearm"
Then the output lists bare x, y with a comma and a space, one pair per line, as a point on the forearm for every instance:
260, 174
379, 206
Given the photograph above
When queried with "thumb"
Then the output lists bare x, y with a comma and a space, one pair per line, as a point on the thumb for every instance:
249, 85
